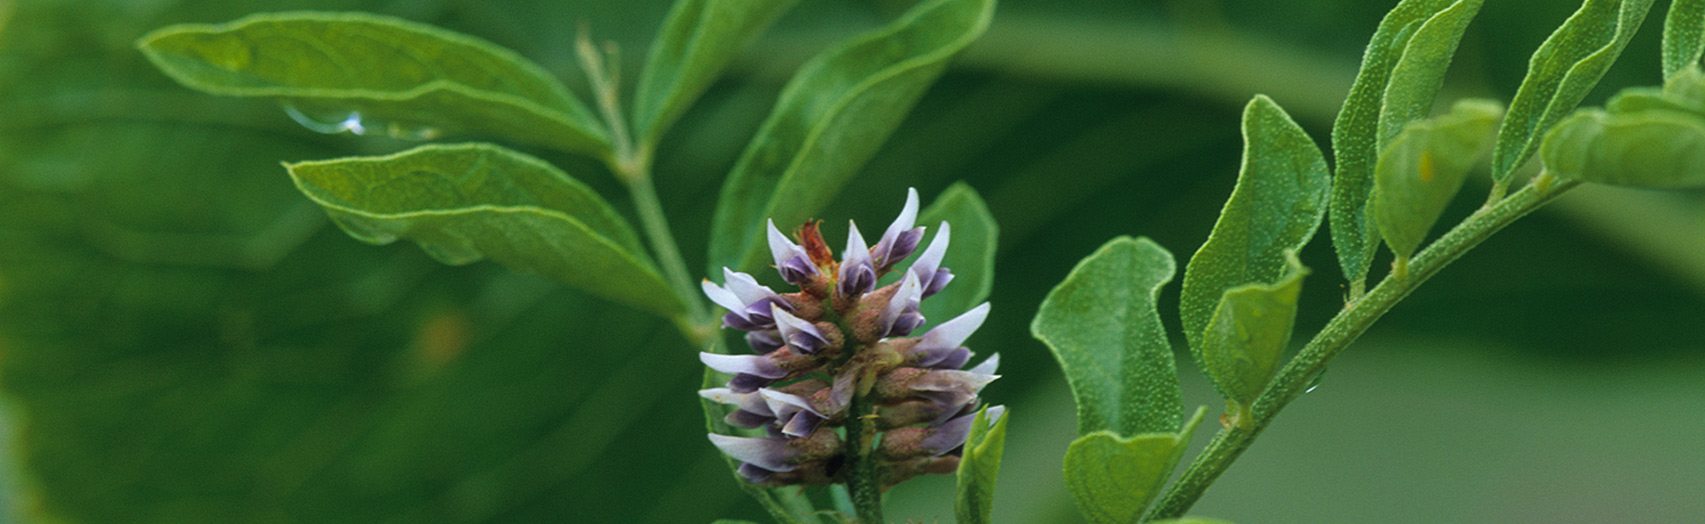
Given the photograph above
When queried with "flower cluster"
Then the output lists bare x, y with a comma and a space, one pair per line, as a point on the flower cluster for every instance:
841, 347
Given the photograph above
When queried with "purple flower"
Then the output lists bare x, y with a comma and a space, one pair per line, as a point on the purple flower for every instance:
795, 414
748, 303
928, 268
773, 454
900, 239
791, 260
802, 335
942, 347
751, 410
858, 272
750, 371
901, 315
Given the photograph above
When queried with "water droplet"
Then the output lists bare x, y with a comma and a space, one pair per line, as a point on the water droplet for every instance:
330, 123
1314, 383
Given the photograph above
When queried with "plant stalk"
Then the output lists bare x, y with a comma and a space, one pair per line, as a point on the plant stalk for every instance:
863, 481
1342, 330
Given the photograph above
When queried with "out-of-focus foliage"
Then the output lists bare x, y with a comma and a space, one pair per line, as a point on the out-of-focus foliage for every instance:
185, 338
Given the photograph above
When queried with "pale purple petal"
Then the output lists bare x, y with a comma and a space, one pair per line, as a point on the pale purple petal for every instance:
745, 383
791, 260
900, 239
754, 474
906, 298
745, 287
953, 380
928, 267
948, 436
756, 365
801, 424
953, 333
765, 341
989, 365
725, 298
786, 404
767, 453
746, 401
858, 273
994, 414
797, 332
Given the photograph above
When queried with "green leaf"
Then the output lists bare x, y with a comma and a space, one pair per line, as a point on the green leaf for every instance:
1684, 92
1562, 72
1276, 207
416, 79
831, 118
462, 203
979, 467
1114, 478
971, 253
1249, 332
1424, 167
1684, 36
696, 42
1420, 72
1191, 520
1650, 149
1356, 132
1102, 325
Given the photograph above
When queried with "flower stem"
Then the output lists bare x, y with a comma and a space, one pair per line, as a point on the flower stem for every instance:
1342, 330
862, 480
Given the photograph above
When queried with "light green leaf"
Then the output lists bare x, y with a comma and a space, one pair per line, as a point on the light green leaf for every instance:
695, 43
970, 254
979, 467
1561, 73
1276, 207
831, 118
1114, 478
1420, 72
383, 72
1102, 325
1356, 136
1650, 149
1684, 92
1249, 332
462, 203
1422, 169
1191, 520
1684, 36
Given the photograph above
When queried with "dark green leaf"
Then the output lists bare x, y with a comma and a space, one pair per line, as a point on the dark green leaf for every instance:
1276, 207
1651, 149
1561, 73
696, 42
462, 203
1249, 332
360, 72
1424, 167
971, 253
1684, 36
1356, 134
1191, 520
831, 118
1113, 478
979, 467
1102, 325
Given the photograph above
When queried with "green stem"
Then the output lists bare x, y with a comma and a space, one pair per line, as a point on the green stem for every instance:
1342, 330
862, 480
656, 227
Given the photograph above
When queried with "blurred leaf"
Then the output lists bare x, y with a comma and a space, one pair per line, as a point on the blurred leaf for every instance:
1249, 332
1562, 72
1420, 72
1684, 36
360, 72
1276, 207
1684, 92
1356, 135
694, 45
463, 203
1424, 167
971, 255
1650, 149
979, 467
831, 118
1114, 478
1102, 325
1191, 520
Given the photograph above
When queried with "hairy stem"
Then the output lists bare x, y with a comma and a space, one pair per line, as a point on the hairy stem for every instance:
863, 482
1342, 330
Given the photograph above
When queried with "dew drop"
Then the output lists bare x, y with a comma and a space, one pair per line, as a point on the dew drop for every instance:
327, 123
1314, 383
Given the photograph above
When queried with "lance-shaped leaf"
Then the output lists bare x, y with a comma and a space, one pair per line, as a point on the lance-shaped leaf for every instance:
1420, 72
1249, 332
1355, 134
1650, 149
1561, 73
979, 467
1114, 478
463, 203
971, 254
831, 118
1684, 36
696, 42
1276, 207
1422, 169
1102, 325
359, 72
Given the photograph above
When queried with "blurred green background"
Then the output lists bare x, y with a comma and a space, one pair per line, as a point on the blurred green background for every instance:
185, 338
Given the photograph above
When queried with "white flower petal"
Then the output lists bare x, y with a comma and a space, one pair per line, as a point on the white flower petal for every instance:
786, 404
745, 287
770, 454
780, 247
952, 333
931, 259
989, 365
911, 292
908, 217
724, 297
857, 252
789, 324
757, 365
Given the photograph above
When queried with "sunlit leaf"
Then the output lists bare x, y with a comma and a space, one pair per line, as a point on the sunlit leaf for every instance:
695, 43
831, 118
367, 73
463, 203
1114, 478
1562, 72
1102, 325
979, 467
1276, 207
970, 255
1356, 133
1425, 166
1684, 36
1249, 332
